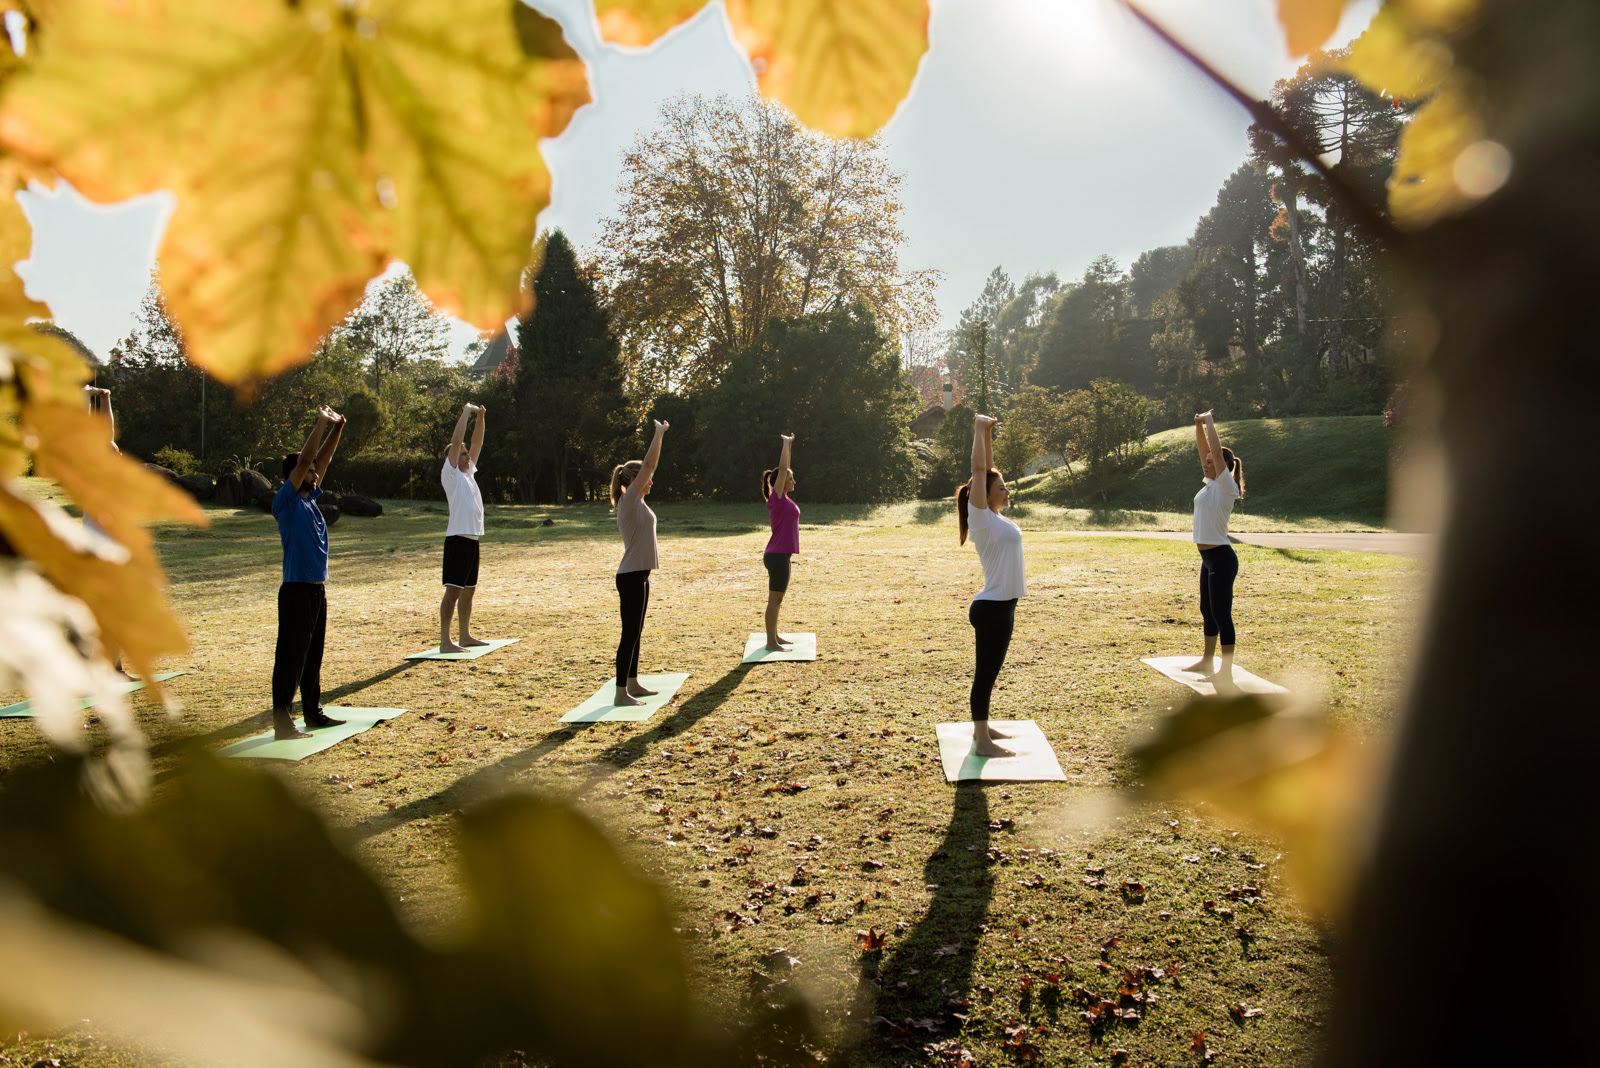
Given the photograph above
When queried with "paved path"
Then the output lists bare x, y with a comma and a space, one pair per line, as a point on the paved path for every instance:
1343, 541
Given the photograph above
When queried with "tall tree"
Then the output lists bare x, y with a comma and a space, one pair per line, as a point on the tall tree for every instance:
571, 414
1088, 334
964, 353
1155, 274
394, 327
732, 214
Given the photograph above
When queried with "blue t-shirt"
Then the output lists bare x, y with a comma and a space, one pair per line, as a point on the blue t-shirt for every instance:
304, 534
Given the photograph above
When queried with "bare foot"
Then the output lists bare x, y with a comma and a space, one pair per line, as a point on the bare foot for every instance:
469, 640
775, 645
450, 647
284, 730
996, 732
1223, 684
1199, 667
623, 700
986, 747
636, 690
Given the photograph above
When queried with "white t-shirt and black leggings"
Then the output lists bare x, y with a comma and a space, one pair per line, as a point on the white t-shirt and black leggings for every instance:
637, 524
465, 527
1219, 565
993, 612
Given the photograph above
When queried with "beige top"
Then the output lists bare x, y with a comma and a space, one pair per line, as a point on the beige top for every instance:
638, 526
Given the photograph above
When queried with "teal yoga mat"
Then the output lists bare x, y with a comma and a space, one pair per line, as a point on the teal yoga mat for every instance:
264, 746
599, 709
25, 708
1034, 761
1172, 668
467, 654
802, 647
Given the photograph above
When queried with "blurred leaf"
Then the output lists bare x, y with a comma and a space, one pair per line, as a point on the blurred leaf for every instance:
578, 941
1390, 56
1423, 187
1273, 764
1309, 23
842, 66
308, 144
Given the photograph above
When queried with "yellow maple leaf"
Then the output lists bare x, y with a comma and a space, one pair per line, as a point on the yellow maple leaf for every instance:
1309, 23
49, 365
308, 144
1423, 186
842, 66
1391, 57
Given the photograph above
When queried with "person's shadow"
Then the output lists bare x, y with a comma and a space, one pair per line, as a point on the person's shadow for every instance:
927, 972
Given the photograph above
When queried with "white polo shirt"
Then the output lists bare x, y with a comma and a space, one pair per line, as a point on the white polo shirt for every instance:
999, 544
466, 500
1212, 506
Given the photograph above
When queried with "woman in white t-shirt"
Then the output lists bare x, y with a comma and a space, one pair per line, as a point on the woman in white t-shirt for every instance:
637, 524
1219, 565
993, 611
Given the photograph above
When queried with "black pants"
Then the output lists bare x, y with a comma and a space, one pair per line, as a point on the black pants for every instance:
992, 623
302, 627
777, 565
633, 591
1218, 568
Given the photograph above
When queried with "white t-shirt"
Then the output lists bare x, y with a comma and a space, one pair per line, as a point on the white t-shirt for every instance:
1212, 506
999, 544
466, 500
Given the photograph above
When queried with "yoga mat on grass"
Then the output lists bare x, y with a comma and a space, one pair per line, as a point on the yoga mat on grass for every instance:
471, 653
264, 746
25, 708
801, 647
599, 709
1172, 668
1034, 761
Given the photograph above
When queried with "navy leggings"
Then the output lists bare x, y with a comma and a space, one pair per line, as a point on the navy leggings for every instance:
633, 591
992, 623
1218, 568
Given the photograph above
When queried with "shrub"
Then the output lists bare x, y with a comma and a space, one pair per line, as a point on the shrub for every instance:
408, 475
178, 461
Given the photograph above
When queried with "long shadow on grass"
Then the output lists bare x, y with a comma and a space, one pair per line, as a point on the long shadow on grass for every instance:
487, 781
930, 969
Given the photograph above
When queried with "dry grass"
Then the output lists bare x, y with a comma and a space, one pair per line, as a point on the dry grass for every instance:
978, 888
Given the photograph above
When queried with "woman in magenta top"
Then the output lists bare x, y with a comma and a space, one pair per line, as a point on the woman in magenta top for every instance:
776, 485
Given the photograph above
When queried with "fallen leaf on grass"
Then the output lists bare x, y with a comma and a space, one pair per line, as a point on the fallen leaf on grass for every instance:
871, 940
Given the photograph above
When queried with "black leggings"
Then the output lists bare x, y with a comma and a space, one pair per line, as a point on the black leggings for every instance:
297, 661
633, 590
992, 622
1218, 568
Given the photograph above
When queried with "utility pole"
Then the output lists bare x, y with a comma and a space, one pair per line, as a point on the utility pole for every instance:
202, 415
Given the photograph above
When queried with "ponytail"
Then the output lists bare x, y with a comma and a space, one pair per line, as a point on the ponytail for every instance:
622, 477
1235, 468
964, 494
767, 478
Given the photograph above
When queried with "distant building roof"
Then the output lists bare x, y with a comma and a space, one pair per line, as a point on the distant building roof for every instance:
490, 359
925, 424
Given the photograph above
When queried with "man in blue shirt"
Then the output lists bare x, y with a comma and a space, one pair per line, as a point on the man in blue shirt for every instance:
302, 599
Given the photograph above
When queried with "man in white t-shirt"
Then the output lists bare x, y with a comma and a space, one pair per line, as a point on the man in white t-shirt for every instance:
466, 527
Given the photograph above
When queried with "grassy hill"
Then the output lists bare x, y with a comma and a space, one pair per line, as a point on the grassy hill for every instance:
1334, 469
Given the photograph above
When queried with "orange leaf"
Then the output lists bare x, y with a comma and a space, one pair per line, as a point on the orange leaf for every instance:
1309, 23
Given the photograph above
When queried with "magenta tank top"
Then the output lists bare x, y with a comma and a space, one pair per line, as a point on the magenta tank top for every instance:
785, 524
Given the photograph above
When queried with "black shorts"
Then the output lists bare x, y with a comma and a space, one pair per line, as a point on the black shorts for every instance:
777, 565
460, 562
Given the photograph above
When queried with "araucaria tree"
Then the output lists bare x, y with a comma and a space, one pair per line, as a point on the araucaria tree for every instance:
732, 214
571, 415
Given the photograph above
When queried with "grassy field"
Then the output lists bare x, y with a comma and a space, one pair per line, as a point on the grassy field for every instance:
985, 893
1312, 473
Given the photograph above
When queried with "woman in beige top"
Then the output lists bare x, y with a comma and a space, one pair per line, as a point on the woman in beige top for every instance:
629, 484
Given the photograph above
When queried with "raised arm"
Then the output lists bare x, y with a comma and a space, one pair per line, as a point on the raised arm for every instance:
458, 437
1200, 437
982, 459
781, 479
477, 434
1213, 443
329, 443
308, 451
100, 401
652, 455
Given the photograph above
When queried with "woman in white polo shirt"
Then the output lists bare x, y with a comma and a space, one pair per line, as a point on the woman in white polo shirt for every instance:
459, 477
1219, 564
993, 611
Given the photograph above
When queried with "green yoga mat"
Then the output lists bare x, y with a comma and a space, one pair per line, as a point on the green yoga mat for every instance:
801, 647
599, 709
1034, 761
1172, 668
264, 746
25, 708
467, 654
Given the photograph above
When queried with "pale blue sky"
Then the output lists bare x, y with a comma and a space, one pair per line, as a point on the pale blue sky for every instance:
1038, 135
